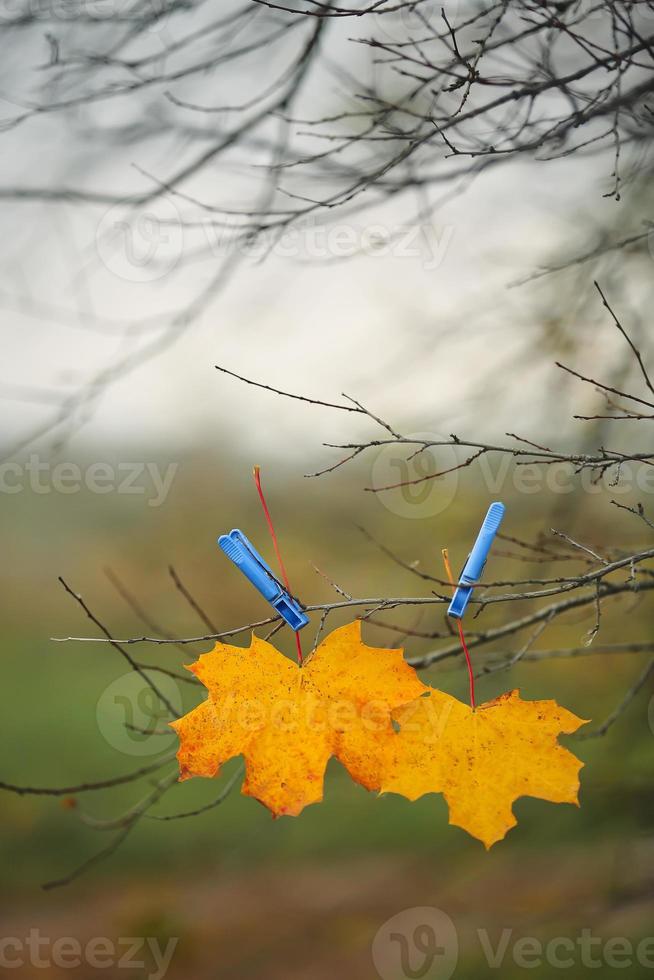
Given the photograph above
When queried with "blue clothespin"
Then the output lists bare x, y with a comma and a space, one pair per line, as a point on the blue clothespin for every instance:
474, 566
246, 558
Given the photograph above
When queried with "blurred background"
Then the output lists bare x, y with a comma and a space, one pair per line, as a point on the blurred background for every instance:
126, 453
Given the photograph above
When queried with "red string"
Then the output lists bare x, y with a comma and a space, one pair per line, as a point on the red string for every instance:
471, 676
256, 472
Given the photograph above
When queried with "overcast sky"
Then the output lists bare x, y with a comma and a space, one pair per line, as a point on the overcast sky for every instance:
424, 334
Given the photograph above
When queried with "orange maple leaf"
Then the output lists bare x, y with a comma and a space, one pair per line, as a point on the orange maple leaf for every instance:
288, 721
483, 760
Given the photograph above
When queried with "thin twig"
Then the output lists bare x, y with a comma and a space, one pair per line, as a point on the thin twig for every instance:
116, 645
193, 603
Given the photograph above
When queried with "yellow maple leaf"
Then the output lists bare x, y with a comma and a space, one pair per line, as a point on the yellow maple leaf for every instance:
287, 721
483, 760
